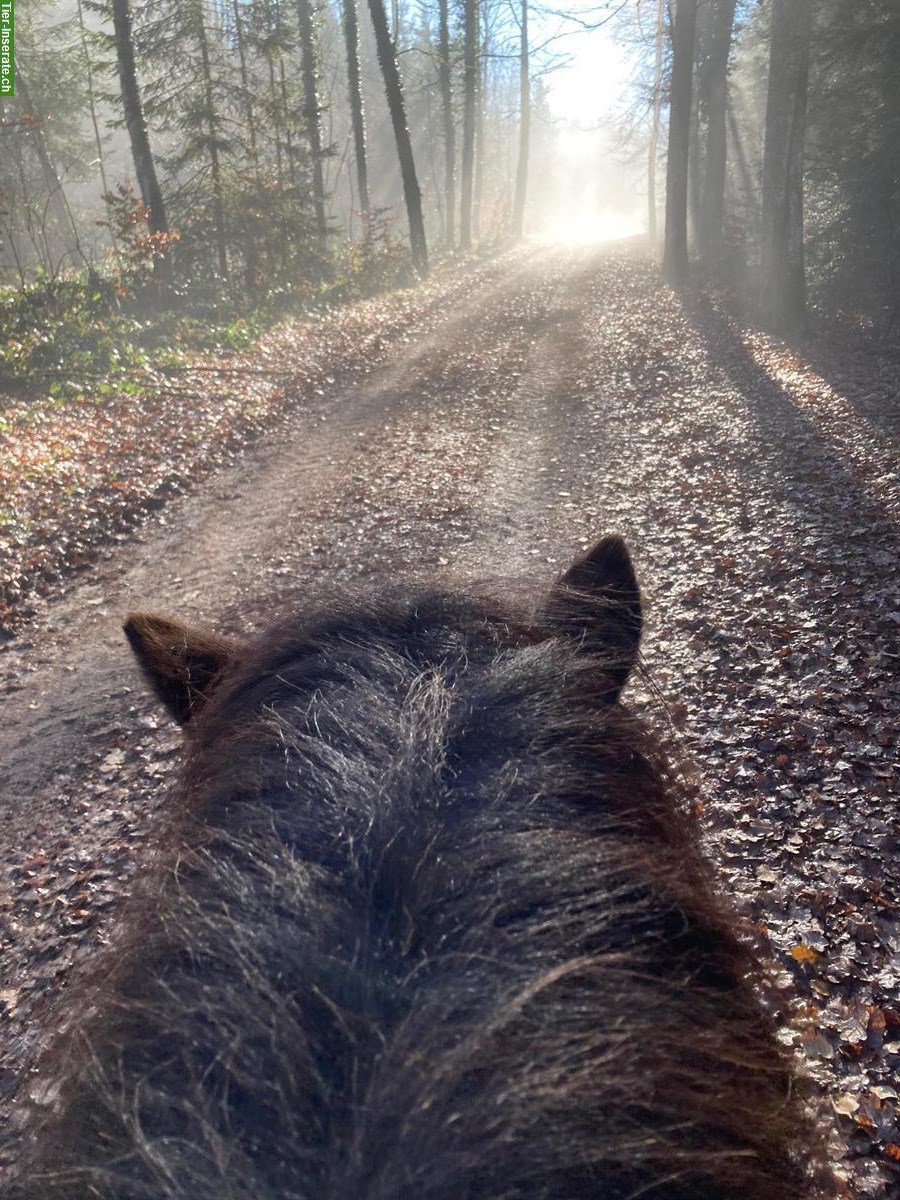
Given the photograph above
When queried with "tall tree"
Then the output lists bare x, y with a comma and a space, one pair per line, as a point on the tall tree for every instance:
251, 257
655, 114
854, 157
695, 147
711, 224
144, 165
354, 92
470, 89
212, 121
289, 146
480, 124
783, 293
444, 79
247, 93
89, 76
675, 255
271, 39
56, 194
524, 126
312, 111
46, 148
390, 70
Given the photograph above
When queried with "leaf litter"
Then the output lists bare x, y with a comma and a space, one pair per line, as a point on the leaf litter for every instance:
757, 483
81, 473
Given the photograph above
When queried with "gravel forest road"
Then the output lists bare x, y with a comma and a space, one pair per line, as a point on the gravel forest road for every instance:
569, 396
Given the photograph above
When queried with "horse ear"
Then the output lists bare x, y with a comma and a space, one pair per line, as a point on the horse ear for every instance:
598, 601
179, 662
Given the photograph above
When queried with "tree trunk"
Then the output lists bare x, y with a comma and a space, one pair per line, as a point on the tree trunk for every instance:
212, 134
89, 71
276, 109
288, 139
249, 111
713, 214
524, 128
656, 109
251, 255
387, 57
444, 79
351, 41
783, 276
470, 85
55, 191
311, 112
144, 166
480, 138
675, 256
695, 159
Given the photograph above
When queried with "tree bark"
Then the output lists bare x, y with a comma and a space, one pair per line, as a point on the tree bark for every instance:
470, 85
144, 166
524, 128
311, 112
675, 256
783, 293
713, 214
387, 58
444, 79
351, 42
656, 109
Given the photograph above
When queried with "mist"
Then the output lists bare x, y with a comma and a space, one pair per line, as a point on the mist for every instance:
332, 311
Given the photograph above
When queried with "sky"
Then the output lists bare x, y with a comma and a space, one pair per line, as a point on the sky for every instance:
591, 87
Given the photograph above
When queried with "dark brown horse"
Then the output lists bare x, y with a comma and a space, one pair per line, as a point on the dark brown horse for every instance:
427, 922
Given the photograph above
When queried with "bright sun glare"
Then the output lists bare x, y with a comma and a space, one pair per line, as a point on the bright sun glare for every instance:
589, 86
596, 203
582, 228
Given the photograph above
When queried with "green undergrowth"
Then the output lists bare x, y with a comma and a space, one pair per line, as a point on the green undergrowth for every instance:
89, 335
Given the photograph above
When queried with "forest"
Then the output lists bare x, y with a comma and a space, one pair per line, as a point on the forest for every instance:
586, 320
225, 158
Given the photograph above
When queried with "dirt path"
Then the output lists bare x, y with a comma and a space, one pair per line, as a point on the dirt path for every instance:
569, 398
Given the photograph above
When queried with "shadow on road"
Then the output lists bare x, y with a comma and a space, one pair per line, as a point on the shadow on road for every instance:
798, 460
864, 371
